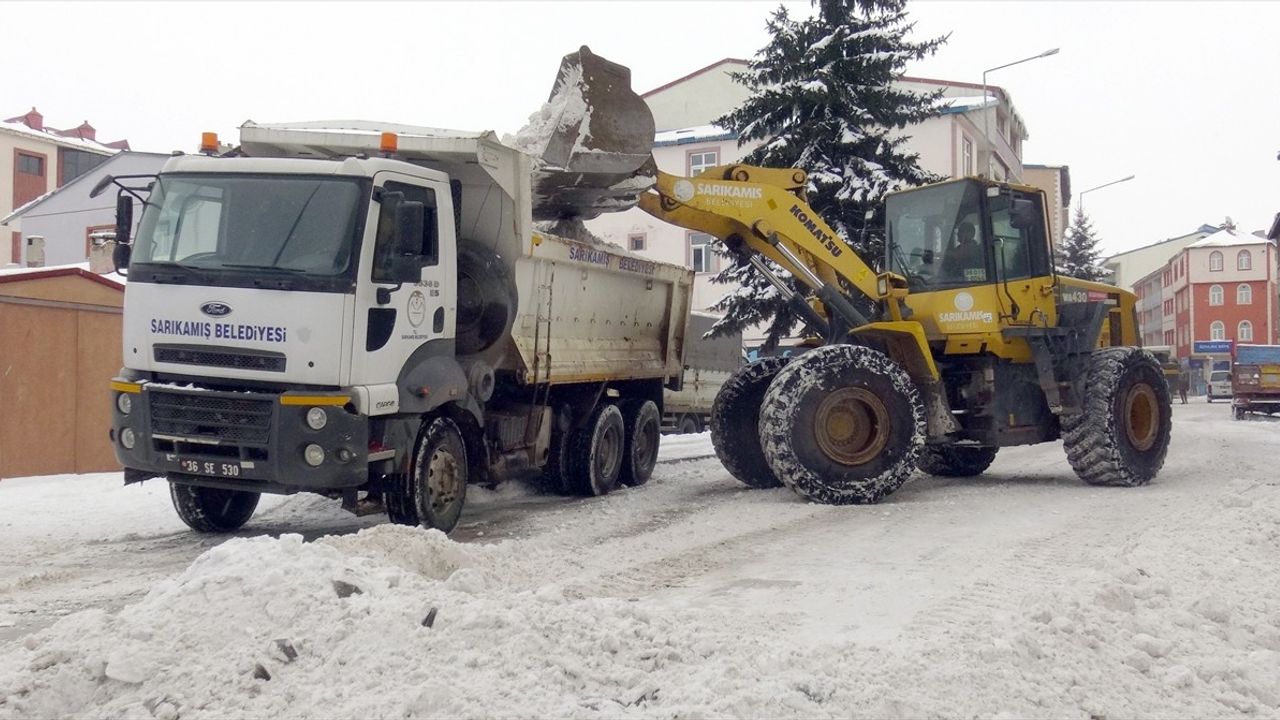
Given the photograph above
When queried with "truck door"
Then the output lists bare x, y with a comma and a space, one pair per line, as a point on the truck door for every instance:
395, 320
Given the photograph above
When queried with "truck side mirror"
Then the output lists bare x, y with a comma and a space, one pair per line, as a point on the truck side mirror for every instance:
124, 218
404, 252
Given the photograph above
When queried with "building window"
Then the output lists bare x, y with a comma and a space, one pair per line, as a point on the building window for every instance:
1215, 294
1244, 295
78, 162
1168, 306
968, 157
1244, 332
1215, 261
701, 258
1168, 337
635, 241
699, 161
1217, 331
1244, 261
30, 165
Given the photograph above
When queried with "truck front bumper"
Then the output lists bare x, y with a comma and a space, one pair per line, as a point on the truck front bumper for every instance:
257, 441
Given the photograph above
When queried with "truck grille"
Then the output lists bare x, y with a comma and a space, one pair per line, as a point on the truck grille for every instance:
220, 357
211, 417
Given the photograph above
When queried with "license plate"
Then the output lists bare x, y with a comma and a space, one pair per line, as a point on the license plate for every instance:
1271, 379
209, 468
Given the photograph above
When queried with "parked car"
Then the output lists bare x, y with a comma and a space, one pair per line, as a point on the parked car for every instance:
1220, 385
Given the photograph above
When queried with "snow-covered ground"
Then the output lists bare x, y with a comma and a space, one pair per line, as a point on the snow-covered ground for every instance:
1021, 593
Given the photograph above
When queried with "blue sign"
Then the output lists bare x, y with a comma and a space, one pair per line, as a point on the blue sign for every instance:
1211, 346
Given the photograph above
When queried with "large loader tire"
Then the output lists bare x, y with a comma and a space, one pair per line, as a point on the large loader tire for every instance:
642, 425
1121, 435
212, 510
842, 424
486, 298
596, 452
735, 422
956, 460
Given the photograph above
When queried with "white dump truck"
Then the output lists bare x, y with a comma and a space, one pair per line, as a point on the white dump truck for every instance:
370, 312
708, 363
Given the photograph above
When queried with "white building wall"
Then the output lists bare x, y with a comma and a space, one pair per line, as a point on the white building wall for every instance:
1132, 266
1199, 272
699, 99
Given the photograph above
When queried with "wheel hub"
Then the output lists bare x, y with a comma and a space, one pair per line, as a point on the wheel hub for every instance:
442, 479
609, 453
852, 426
1141, 416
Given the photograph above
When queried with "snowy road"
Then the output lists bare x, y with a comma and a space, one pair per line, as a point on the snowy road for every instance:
1020, 592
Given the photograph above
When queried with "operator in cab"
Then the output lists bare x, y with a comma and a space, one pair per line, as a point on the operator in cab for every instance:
965, 260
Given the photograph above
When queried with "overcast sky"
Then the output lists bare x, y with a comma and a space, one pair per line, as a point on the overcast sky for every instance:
1184, 95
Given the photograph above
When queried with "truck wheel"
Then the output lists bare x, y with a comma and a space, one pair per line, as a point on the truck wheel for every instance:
842, 424
735, 422
438, 488
1121, 435
1239, 413
212, 510
397, 498
956, 460
595, 452
643, 425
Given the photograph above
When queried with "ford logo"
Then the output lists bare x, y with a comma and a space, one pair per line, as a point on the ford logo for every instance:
215, 309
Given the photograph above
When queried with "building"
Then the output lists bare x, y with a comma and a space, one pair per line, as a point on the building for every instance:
1055, 180
1217, 291
65, 219
36, 159
60, 345
1126, 269
949, 145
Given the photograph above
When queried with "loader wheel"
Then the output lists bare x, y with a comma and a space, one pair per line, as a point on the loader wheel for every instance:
1122, 433
437, 483
642, 427
956, 460
596, 450
212, 510
735, 422
842, 424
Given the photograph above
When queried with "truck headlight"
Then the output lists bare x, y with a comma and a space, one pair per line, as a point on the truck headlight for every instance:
317, 418
124, 401
128, 439
313, 454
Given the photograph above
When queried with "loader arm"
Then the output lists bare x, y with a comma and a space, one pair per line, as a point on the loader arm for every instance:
761, 211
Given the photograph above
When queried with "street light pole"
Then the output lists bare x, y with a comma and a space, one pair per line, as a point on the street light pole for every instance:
986, 122
1099, 187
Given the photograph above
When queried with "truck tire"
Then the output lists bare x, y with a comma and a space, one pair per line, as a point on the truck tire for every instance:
1121, 435
438, 472
689, 425
596, 450
842, 424
735, 422
956, 460
643, 427
212, 510
486, 298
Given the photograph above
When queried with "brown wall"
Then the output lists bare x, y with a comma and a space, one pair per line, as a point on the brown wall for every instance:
56, 358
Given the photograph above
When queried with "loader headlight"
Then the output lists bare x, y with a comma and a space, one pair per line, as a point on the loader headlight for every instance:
317, 418
128, 439
313, 454
124, 402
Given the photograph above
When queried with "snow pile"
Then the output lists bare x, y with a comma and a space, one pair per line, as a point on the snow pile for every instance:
565, 110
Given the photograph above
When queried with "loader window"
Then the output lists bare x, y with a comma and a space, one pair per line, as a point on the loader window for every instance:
1019, 252
936, 237
430, 231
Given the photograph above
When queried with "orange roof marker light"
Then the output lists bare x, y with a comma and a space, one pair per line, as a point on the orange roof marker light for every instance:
389, 142
209, 142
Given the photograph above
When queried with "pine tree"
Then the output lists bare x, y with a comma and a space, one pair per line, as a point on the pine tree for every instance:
1079, 256
823, 100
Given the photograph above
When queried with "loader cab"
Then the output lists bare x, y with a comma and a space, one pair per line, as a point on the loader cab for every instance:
966, 233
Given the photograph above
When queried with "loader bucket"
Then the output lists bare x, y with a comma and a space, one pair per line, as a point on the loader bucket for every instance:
591, 141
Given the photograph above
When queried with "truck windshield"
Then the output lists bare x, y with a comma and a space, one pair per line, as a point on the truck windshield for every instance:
936, 236
278, 224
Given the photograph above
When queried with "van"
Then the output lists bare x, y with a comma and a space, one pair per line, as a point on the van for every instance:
1219, 384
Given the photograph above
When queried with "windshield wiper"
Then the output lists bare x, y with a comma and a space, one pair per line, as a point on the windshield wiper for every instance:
272, 268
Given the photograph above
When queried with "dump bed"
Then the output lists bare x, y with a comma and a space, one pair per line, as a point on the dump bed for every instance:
586, 310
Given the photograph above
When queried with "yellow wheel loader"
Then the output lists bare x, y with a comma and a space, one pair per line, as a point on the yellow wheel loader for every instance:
968, 342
